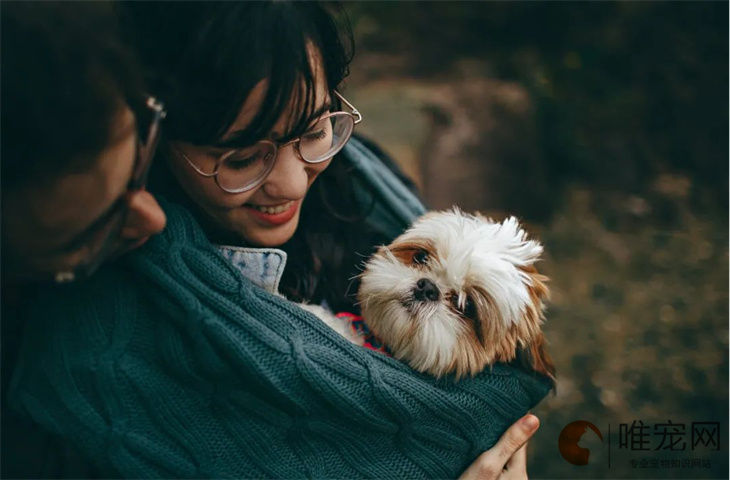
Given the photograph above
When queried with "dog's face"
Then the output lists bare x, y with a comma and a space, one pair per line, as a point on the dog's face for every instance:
456, 293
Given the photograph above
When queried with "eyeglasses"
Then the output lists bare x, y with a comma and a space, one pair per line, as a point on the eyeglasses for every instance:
244, 169
104, 237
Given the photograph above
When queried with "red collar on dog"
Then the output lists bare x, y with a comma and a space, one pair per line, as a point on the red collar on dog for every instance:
357, 324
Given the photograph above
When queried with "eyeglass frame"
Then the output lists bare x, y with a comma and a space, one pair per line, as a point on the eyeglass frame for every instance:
118, 213
355, 114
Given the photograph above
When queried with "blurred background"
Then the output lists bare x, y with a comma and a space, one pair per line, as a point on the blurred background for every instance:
604, 126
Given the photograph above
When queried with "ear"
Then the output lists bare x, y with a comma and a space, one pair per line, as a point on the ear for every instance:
534, 354
534, 357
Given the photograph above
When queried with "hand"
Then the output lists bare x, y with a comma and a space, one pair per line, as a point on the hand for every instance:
507, 459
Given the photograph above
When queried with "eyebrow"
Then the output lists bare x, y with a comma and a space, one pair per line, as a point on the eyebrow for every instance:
283, 138
316, 114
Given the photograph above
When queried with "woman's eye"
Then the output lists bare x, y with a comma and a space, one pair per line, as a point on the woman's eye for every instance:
421, 257
318, 135
242, 161
239, 164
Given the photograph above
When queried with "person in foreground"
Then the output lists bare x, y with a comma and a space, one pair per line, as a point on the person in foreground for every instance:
78, 133
78, 136
183, 361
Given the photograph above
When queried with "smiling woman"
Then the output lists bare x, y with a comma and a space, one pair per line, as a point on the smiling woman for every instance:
252, 140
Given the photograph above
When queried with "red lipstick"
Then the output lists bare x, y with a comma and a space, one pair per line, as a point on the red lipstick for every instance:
274, 219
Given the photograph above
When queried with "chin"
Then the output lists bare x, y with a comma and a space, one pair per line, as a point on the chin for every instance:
457, 293
257, 235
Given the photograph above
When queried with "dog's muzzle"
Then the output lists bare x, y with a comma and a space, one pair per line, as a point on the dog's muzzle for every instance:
426, 291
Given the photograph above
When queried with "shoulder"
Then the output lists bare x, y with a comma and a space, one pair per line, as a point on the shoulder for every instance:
387, 195
389, 162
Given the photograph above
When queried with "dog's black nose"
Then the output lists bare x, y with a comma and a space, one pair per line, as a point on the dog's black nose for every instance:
426, 290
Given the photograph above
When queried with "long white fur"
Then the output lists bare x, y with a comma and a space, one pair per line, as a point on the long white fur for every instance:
469, 251
386, 285
472, 249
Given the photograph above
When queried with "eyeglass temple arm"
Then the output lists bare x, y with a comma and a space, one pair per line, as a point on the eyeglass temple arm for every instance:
158, 109
355, 112
195, 167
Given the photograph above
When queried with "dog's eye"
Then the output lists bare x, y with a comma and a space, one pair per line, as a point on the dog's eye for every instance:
421, 257
470, 309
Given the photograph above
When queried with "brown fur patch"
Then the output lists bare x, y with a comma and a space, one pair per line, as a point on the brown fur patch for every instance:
480, 346
534, 353
405, 251
495, 343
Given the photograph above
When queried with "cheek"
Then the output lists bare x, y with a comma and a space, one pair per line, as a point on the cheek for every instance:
441, 331
204, 191
314, 170
386, 278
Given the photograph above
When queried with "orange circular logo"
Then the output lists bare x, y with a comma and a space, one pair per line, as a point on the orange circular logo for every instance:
569, 438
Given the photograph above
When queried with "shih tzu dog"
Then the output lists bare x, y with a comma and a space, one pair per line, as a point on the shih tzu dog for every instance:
454, 294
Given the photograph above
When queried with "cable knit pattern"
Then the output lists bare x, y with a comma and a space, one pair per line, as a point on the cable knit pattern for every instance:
169, 363
174, 365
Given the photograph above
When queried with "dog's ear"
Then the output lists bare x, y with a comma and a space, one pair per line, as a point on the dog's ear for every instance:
537, 286
533, 355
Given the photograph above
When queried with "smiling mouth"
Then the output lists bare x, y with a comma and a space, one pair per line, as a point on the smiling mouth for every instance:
272, 210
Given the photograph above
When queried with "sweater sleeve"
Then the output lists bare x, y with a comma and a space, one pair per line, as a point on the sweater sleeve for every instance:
171, 364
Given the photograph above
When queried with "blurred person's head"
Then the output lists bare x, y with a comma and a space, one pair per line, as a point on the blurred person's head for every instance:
239, 78
75, 126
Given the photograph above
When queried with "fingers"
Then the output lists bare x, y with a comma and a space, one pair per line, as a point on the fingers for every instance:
515, 437
509, 451
517, 465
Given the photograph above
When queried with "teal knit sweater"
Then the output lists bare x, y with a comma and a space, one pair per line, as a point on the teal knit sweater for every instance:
172, 364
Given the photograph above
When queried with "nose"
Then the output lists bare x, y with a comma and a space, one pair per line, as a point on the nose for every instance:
425, 290
145, 216
289, 179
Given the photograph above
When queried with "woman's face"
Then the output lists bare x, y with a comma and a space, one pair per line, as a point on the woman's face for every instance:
268, 215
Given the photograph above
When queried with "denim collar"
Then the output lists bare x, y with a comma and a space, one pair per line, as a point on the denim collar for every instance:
262, 266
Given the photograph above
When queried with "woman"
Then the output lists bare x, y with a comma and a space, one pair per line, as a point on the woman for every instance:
182, 362
222, 103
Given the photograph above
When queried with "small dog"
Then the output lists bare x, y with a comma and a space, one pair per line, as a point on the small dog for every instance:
454, 294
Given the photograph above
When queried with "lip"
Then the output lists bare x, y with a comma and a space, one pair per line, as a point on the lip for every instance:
274, 219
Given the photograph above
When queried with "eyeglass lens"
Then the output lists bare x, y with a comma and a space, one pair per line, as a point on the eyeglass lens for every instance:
246, 167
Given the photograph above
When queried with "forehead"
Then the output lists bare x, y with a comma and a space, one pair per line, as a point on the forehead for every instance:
255, 100
42, 216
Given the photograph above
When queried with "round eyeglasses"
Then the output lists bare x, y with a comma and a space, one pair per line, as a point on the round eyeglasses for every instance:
103, 235
244, 169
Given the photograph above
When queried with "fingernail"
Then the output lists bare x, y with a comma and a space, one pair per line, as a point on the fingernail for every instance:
530, 422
